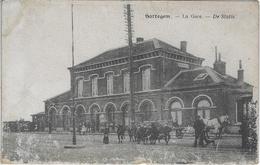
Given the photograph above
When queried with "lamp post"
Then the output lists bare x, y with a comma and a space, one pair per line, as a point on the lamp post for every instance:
74, 142
73, 107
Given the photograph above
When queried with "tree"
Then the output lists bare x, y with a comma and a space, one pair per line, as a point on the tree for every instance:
252, 126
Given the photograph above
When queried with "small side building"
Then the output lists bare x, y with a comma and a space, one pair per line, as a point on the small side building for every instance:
39, 121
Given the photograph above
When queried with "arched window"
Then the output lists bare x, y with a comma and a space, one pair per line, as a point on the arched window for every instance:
176, 112
110, 112
65, 118
80, 115
125, 114
94, 116
203, 109
146, 75
53, 118
80, 88
146, 107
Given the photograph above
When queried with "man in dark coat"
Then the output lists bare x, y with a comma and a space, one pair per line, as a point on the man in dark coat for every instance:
199, 128
106, 138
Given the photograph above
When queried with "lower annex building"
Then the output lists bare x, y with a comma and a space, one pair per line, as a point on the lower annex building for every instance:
170, 85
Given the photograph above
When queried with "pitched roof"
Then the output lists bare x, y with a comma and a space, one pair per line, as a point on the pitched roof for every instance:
201, 77
138, 48
61, 97
40, 113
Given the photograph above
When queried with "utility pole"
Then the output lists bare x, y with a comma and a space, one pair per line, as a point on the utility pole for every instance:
130, 44
72, 77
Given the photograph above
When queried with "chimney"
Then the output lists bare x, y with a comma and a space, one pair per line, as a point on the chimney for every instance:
216, 53
219, 66
139, 39
184, 46
240, 72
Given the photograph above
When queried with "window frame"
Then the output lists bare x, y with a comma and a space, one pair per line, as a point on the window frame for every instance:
204, 110
94, 86
126, 82
110, 84
80, 92
146, 79
201, 76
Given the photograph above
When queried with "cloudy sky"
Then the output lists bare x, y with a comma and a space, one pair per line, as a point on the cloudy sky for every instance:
37, 41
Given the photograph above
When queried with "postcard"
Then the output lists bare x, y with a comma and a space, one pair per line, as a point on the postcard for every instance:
129, 82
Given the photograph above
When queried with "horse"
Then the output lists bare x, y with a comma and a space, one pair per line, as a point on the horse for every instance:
154, 134
132, 133
140, 134
164, 133
217, 124
120, 133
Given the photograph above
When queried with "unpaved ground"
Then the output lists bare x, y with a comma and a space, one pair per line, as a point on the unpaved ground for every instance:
33, 148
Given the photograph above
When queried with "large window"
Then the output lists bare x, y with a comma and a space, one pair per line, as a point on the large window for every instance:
176, 113
80, 88
126, 82
110, 84
94, 83
146, 74
203, 109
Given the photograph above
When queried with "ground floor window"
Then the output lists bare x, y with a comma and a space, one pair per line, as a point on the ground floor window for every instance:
176, 112
125, 116
52, 119
146, 111
204, 113
177, 117
203, 109
95, 118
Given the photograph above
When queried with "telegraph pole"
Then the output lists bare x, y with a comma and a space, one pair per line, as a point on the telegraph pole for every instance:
72, 77
130, 44
74, 142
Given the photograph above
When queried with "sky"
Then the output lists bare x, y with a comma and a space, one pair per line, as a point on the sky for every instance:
37, 41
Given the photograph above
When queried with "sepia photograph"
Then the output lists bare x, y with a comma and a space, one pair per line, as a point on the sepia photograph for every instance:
129, 82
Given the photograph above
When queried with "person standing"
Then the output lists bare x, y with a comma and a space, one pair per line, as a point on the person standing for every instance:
106, 138
199, 128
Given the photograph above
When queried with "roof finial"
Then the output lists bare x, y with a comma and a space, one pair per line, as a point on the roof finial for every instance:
240, 64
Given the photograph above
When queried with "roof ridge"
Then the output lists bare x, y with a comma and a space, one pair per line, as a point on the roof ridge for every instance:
174, 77
154, 40
179, 73
112, 49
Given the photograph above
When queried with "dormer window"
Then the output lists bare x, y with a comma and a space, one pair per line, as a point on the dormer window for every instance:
201, 76
109, 84
146, 77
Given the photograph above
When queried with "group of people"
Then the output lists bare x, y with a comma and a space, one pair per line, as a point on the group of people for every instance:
138, 132
201, 132
92, 127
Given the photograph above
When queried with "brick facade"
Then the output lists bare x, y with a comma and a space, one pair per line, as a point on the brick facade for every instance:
171, 71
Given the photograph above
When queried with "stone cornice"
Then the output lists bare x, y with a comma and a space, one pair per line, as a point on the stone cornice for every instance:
147, 55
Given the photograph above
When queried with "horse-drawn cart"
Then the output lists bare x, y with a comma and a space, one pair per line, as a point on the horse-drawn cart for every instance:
179, 132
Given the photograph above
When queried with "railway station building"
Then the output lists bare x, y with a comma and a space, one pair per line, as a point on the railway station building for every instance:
170, 85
